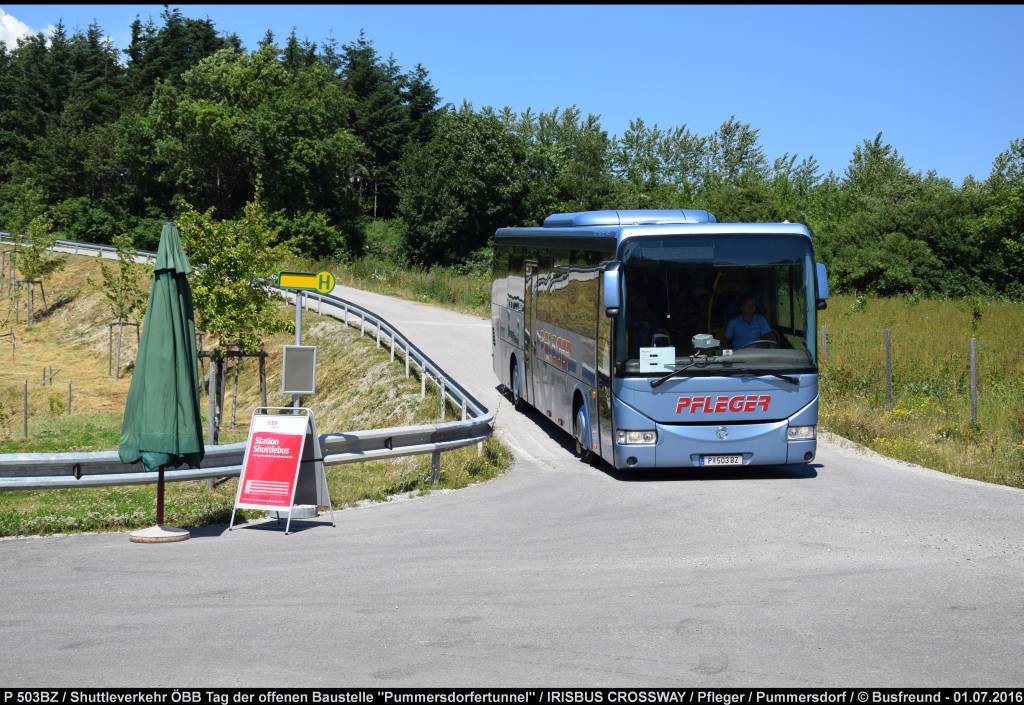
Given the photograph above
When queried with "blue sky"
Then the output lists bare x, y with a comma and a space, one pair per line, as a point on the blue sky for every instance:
944, 83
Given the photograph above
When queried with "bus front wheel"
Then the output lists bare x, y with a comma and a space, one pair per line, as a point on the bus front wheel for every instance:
579, 426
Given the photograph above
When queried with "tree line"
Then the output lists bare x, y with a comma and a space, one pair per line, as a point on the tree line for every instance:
354, 156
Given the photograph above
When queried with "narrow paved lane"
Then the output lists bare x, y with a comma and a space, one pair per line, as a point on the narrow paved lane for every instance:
856, 570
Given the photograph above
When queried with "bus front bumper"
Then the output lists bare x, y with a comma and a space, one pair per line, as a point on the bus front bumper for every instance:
686, 445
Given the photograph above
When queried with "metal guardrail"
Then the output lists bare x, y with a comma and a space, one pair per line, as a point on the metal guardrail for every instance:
93, 469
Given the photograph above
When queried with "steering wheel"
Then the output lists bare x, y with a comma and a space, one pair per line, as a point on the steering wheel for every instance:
772, 343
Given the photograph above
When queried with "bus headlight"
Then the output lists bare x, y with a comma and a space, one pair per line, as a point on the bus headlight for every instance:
632, 438
800, 433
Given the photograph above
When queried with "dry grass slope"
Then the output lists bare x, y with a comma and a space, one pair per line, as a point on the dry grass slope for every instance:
360, 388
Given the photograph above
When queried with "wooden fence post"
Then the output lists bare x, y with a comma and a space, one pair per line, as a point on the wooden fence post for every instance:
117, 359
263, 378
211, 419
234, 391
888, 367
974, 381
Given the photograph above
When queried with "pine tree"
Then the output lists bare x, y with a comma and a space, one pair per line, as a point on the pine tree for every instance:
378, 117
421, 98
166, 53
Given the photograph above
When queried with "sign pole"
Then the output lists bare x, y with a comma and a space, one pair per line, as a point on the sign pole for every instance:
296, 399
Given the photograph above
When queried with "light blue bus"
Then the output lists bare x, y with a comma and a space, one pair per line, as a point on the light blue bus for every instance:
663, 338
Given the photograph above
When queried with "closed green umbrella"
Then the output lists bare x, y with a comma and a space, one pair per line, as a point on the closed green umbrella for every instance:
162, 426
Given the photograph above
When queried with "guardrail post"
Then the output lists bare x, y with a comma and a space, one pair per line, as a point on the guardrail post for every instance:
319, 304
423, 381
344, 308
406, 359
378, 334
435, 467
362, 324
392, 346
463, 409
441, 385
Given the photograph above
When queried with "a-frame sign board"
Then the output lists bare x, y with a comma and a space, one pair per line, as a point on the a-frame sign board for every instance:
283, 466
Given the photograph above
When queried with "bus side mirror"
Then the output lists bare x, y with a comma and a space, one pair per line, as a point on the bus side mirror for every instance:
612, 290
822, 301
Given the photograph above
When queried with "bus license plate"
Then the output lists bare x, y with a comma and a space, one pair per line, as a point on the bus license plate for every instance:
721, 460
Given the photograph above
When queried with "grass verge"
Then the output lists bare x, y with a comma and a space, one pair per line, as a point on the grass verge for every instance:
930, 420
190, 504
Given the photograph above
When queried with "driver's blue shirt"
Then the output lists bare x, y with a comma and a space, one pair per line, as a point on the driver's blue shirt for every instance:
741, 333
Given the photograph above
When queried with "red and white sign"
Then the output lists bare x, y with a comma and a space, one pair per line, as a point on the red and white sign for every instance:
720, 404
272, 457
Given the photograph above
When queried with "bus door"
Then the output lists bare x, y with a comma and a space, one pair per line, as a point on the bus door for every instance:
603, 418
529, 345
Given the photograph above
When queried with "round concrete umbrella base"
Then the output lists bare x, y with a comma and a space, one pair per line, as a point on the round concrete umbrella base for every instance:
159, 534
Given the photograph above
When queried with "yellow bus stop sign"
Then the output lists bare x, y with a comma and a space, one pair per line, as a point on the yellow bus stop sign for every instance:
320, 282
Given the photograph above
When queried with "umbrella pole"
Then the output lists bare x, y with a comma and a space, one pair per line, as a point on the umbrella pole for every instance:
160, 497
159, 533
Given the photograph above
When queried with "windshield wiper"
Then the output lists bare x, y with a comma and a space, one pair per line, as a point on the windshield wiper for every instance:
700, 362
785, 378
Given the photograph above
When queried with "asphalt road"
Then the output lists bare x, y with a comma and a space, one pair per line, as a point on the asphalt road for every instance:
857, 570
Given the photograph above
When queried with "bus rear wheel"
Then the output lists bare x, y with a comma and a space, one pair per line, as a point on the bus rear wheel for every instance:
515, 389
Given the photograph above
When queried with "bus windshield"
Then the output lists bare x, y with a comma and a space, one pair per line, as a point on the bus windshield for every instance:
745, 295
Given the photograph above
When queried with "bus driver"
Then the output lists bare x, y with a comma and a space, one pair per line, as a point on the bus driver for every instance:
748, 327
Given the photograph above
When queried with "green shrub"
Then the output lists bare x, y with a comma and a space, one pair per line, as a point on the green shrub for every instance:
383, 239
313, 234
56, 404
87, 220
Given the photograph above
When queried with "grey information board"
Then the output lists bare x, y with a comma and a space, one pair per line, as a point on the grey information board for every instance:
298, 369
